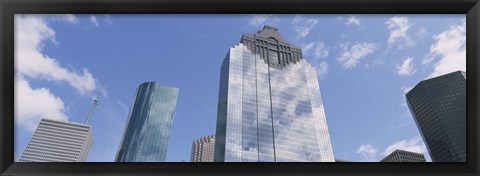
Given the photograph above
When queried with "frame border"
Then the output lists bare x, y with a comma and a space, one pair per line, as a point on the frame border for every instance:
10, 7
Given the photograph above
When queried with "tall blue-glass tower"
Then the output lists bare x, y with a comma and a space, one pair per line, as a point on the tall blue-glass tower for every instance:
149, 124
269, 105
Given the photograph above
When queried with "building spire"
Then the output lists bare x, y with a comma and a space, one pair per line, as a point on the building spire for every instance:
95, 102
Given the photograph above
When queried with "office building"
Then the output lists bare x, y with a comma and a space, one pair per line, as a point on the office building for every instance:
438, 106
342, 161
202, 149
269, 105
149, 124
404, 156
58, 141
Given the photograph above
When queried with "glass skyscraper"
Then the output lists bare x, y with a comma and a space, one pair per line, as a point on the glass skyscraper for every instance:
438, 106
269, 106
149, 124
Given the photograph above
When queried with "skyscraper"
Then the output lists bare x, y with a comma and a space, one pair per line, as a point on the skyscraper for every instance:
404, 156
149, 123
202, 149
438, 106
269, 105
342, 161
58, 141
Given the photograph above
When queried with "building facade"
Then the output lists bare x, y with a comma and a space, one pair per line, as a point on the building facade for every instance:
404, 156
58, 141
149, 124
438, 106
203, 149
342, 161
269, 106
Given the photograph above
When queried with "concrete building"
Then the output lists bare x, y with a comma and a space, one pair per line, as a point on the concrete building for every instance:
58, 141
342, 161
203, 149
404, 156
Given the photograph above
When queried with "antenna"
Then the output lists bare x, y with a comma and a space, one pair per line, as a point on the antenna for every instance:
95, 102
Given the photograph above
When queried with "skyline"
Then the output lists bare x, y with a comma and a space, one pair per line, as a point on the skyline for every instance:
115, 47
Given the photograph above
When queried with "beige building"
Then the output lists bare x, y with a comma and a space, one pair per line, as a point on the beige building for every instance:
404, 156
59, 141
203, 149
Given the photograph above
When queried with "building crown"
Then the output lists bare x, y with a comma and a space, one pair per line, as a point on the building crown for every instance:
270, 45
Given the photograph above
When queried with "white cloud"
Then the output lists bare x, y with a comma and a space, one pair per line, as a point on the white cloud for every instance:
368, 152
302, 26
373, 63
404, 104
124, 107
398, 27
405, 90
421, 33
413, 145
258, 21
350, 56
320, 51
70, 18
406, 68
31, 32
322, 69
450, 46
352, 19
307, 47
93, 19
339, 17
34, 104
108, 18
378, 61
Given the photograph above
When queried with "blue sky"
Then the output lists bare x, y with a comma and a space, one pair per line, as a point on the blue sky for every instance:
365, 65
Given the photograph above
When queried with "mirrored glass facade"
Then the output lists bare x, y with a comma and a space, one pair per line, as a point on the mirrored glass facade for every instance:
438, 106
270, 108
149, 124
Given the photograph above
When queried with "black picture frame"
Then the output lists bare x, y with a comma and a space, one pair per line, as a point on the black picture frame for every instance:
10, 7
